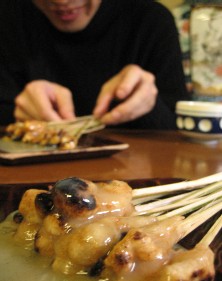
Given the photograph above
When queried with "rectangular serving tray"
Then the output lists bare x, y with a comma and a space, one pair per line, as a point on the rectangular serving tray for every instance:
90, 146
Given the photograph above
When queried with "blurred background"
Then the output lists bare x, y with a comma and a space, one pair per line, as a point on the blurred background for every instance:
171, 4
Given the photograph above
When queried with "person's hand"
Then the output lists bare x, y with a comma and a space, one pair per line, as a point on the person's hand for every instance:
137, 90
44, 100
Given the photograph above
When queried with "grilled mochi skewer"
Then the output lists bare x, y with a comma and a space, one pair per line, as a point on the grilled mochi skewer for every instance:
38, 132
83, 200
63, 219
145, 250
64, 134
84, 247
142, 251
29, 217
196, 264
70, 203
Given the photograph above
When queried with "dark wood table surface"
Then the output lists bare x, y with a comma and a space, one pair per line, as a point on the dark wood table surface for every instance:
151, 154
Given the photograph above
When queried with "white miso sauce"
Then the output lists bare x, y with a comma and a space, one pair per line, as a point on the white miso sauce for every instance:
20, 264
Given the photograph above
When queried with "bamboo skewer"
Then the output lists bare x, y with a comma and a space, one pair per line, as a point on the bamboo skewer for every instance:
142, 210
197, 218
198, 262
200, 204
170, 188
62, 134
84, 124
182, 199
212, 232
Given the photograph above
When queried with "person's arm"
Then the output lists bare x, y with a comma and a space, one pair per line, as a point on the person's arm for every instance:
161, 68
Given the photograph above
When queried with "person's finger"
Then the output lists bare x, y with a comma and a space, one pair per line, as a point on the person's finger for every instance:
129, 80
35, 105
102, 104
64, 103
25, 109
105, 97
138, 104
121, 87
21, 115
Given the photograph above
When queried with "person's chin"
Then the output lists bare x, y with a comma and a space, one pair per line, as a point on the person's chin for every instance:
69, 28
70, 25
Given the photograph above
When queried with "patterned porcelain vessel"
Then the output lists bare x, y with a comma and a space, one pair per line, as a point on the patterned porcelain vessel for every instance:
206, 51
200, 119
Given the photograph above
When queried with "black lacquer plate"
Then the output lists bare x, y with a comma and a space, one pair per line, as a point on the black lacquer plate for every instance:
90, 146
10, 196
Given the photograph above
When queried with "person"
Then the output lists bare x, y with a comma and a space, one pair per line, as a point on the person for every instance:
119, 60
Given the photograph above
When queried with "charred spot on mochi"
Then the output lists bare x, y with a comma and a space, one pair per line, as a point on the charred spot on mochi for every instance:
67, 186
44, 202
18, 217
97, 268
123, 234
75, 192
137, 235
198, 273
122, 259
210, 278
36, 248
61, 220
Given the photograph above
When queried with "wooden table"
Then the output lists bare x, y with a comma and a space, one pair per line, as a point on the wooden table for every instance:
151, 155
159, 154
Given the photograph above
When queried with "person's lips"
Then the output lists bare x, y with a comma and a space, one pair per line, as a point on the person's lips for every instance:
69, 14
